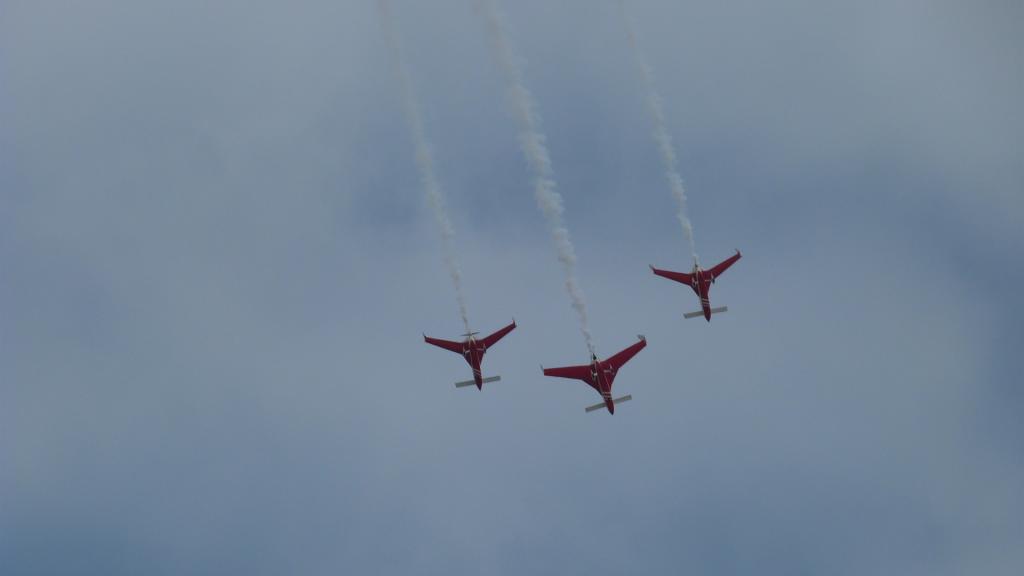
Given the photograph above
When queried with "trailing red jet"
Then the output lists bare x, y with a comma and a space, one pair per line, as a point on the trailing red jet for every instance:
473, 349
701, 280
600, 374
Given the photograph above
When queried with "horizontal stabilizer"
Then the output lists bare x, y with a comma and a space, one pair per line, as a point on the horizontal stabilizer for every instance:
700, 313
625, 398
473, 382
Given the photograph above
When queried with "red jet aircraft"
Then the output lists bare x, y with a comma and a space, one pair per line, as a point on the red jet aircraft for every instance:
701, 280
473, 351
600, 374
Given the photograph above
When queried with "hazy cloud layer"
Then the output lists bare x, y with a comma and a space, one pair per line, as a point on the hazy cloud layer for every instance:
216, 261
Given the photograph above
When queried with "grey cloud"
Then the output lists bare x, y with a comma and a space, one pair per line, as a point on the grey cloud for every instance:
216, 262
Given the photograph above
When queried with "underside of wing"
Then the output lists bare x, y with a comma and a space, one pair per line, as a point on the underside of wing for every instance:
493, 338
680, 277
446, 344
722, 266
574, 372
624, 356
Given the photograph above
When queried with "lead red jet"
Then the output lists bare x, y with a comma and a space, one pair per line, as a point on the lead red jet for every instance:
701, 280
600, 374
473, 350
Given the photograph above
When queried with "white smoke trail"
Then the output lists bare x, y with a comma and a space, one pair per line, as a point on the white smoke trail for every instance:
532, 140
424, 159
661, 135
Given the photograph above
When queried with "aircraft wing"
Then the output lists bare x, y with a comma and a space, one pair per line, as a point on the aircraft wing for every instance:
677, 276
574, 372
724, 264
446, 344
618, 360
493, 338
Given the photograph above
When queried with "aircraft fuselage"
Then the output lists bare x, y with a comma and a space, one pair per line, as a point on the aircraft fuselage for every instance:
701, 281
601, 377
473, 351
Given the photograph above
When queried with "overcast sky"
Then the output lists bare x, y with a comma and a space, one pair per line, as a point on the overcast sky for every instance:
217, 260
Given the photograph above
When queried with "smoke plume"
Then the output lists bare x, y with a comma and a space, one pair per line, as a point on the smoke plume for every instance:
532, 141
661, 135
424, 159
